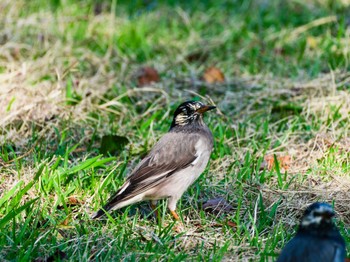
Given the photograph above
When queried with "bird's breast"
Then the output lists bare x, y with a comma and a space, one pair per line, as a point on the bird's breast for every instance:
176, 184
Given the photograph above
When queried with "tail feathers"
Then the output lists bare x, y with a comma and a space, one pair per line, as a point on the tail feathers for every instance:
123, 197
97, 214
111, 203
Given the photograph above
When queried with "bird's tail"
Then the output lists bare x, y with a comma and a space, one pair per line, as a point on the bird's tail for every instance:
97, 214
115, 202
112, 202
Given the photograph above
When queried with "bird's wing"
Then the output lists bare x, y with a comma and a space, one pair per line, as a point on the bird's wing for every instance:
312, 249
173, 152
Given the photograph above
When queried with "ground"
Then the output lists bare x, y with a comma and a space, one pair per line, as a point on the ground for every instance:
75, 120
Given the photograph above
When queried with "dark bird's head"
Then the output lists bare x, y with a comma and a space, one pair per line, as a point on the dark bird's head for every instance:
317, 215
317, 239
190, 112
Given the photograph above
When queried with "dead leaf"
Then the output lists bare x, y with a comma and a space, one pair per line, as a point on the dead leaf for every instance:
213, 75
268, 162
283, 161
146, 76
64, 224
73, 201
80, 149
197, 56
215, 225
231, 224
217, 205
66, 221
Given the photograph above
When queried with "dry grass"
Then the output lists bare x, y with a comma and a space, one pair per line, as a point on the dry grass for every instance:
306, 116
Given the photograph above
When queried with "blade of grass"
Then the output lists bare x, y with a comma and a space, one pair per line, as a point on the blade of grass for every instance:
13, 213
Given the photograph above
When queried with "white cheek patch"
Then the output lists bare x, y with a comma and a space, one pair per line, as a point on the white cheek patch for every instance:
195, 107
181, 119
311, 220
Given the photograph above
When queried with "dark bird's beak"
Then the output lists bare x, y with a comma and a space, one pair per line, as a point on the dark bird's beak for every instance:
205, 109
328, 214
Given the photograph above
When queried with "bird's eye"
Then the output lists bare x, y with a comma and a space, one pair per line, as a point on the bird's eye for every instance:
317, 214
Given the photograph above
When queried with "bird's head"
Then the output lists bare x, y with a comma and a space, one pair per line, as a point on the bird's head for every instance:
190, 112
317, 215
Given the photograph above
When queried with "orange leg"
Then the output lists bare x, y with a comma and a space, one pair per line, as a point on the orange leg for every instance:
176, 216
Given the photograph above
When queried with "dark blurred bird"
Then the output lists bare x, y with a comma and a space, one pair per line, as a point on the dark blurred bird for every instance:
317, 239
172, 165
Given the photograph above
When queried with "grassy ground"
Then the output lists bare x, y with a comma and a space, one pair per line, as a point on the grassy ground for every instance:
67, 79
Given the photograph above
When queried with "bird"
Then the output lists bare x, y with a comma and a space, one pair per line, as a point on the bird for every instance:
172, 165
317, 238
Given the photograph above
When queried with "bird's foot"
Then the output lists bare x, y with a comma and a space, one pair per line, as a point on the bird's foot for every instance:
175, 215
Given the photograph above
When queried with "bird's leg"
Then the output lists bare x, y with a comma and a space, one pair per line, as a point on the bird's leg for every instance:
180, 227
172, 207
175, 215
154, 208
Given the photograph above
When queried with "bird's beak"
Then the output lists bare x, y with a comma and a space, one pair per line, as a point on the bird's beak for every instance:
328, 215
205, 109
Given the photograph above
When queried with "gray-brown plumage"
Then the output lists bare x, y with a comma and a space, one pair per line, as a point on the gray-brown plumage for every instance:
172, 165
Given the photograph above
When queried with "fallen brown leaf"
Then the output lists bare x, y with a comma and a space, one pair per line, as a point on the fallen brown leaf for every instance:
66, 221
285, 161
231, 224
146, 76
71, 203
72, 200
80, 149
213, 75
217, 205
197, 56
269, 162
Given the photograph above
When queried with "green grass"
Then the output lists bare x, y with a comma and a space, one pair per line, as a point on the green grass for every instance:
68, 89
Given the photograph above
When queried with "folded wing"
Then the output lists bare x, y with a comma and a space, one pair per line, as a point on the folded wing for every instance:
167, 157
